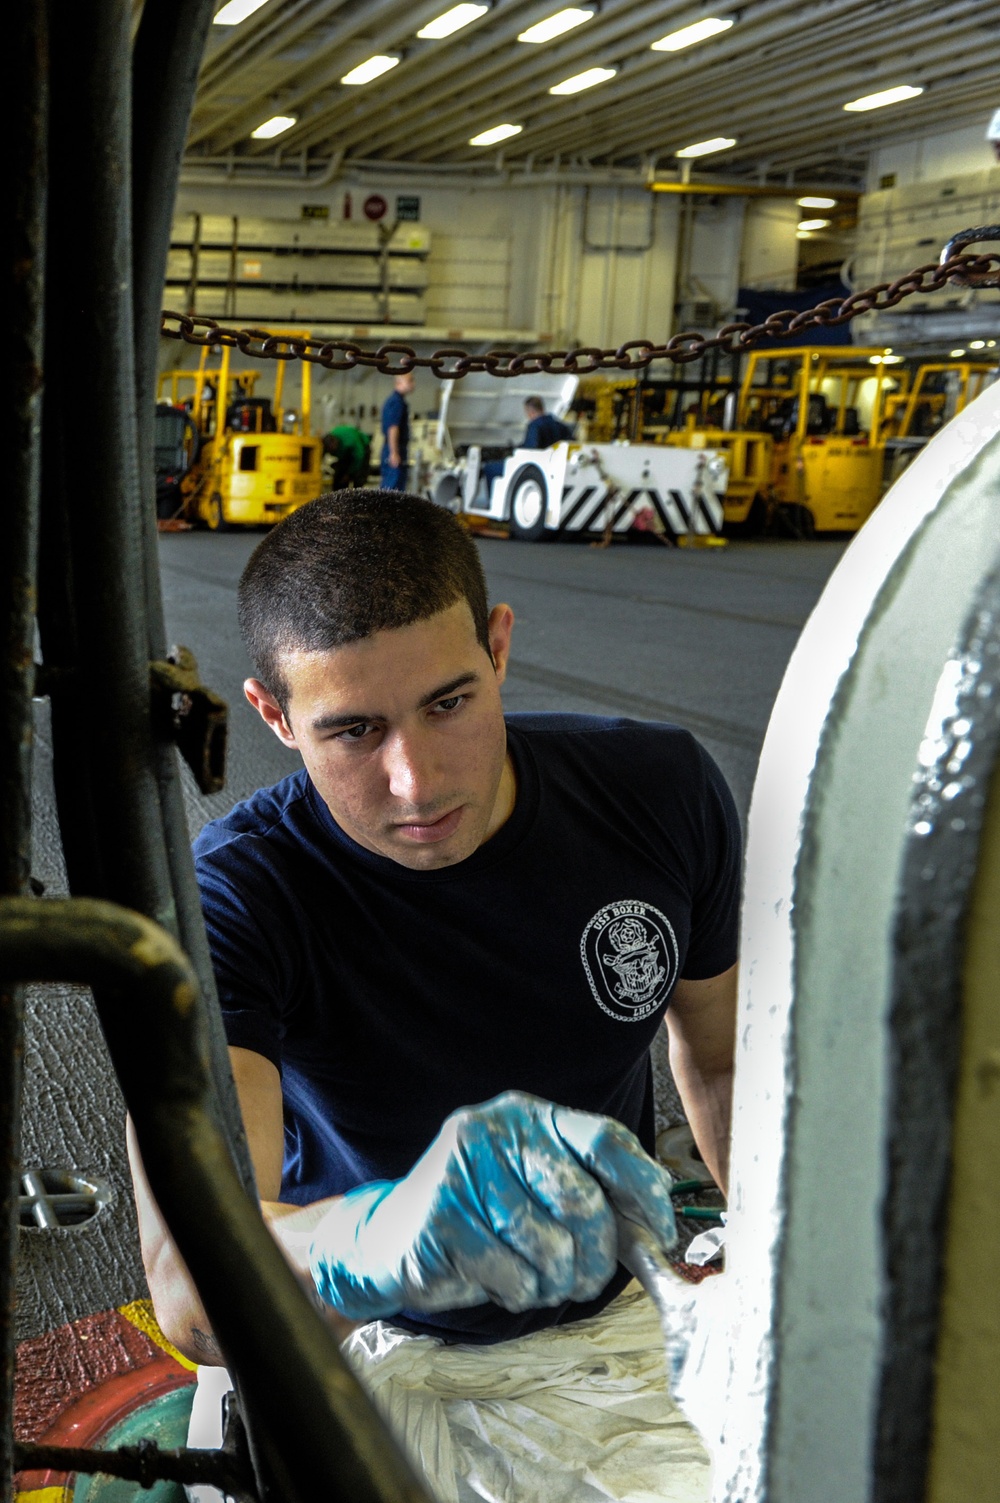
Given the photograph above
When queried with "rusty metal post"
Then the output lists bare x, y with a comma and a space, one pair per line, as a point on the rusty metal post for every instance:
117, 785
93, 594
165, 59
20, 417
322, 1432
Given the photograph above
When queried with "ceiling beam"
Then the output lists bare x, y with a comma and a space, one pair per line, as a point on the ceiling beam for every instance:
783, 141
439, 71
475, 94
693, 114
646, 84
224, 128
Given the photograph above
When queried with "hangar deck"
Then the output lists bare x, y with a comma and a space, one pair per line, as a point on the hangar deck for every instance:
696, 638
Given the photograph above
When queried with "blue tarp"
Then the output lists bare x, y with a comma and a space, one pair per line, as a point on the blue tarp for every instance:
759, 303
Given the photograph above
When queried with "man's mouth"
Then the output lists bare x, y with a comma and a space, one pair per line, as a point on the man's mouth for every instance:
428, 831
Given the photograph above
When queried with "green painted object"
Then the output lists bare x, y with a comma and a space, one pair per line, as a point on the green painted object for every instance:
164, 1420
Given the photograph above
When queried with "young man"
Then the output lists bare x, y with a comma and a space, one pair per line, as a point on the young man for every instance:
443, 948
544, 428
396, 435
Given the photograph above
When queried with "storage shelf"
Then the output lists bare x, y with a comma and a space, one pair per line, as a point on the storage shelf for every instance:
249, 248
271, 272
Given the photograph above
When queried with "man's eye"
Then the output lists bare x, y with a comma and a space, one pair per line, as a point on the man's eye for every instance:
354, 732
451, 703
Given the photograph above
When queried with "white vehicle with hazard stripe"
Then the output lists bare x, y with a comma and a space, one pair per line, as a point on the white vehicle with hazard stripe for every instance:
467, 459
605, 488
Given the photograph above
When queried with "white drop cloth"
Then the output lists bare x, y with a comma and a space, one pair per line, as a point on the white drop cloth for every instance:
574, 1414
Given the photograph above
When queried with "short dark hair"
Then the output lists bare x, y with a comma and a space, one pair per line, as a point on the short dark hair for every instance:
535, 403
348, 565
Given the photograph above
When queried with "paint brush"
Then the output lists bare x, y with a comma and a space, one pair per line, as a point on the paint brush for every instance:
647, 1262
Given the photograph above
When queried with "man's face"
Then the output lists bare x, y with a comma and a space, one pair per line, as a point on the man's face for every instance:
403, 735
405, 384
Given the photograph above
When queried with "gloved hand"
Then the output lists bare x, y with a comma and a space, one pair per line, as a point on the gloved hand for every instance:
510, 1203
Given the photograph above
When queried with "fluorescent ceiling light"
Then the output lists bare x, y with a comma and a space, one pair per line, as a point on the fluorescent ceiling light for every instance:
886, 96
273, 127
702, 148
451, 20
816, 203
803, 235
957, 354
977, 344
583, 81
372, 67
494, 134
813, 224
554, 26
688, 35
235, 12
886, 359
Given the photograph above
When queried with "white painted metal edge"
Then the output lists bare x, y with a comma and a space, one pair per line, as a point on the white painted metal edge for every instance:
823, 655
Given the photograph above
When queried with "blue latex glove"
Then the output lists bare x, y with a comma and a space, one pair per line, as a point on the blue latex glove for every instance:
510, 1203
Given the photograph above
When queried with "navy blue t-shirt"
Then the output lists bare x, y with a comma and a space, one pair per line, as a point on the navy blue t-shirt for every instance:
396, 414
544, 962
544, 431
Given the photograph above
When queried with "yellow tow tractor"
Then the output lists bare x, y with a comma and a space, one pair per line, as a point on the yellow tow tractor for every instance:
822, 408
254, 460
750, 457
803, 431
928, 396
694, 409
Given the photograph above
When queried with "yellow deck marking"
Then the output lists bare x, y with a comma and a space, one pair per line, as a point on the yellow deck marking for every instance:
140, 1314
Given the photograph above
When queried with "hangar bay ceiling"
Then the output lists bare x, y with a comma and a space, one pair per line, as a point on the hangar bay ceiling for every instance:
773, 80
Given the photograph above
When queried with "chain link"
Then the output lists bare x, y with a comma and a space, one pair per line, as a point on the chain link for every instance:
451, 364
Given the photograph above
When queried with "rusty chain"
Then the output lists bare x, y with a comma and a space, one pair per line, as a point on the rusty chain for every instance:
394, 359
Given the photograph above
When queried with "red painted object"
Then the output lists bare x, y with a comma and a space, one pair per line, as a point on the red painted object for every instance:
72, 1385
90, 1418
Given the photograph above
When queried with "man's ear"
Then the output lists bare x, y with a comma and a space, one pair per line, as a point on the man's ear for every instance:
501, 624
270, 711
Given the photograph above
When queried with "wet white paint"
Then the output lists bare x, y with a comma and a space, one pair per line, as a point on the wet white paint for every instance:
826, 824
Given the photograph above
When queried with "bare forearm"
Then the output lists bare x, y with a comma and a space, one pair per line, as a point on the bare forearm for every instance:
701, 1024
707, 1101
179, 1310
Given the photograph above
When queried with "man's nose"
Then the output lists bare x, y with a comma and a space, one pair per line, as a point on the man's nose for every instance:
410, 767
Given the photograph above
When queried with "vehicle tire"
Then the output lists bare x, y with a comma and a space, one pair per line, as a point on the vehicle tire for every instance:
794, 521
214, 519
753, 524
806, 522
529, 496
756, 521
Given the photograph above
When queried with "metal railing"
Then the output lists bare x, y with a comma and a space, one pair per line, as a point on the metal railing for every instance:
97, 135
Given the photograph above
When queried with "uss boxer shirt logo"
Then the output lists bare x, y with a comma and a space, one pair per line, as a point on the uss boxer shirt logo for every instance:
629, 952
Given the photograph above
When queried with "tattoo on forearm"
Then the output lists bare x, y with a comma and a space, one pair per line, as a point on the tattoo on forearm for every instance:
202, 1341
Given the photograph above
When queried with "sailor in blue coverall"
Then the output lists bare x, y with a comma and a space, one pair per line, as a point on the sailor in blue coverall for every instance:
543, 430
396, 432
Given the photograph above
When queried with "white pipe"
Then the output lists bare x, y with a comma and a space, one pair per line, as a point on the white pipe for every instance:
215, 174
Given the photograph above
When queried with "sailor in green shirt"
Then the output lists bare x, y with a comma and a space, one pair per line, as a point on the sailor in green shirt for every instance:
348, 447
